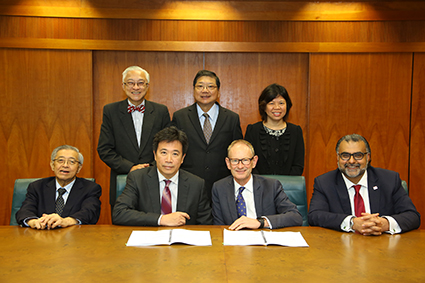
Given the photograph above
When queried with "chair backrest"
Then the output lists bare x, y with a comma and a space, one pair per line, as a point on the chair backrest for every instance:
294, 187
121, 181
404, 185
19, 194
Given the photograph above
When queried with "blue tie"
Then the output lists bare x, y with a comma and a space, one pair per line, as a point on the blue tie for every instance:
240, 203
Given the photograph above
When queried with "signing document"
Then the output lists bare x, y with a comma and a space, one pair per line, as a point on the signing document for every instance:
168, 237
246, 238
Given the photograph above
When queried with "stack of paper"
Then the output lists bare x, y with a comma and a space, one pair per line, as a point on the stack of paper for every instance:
168, 237
245, 238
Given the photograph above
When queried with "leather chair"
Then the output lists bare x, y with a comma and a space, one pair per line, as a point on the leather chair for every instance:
19, 194
121, 182
404, 184
294, 187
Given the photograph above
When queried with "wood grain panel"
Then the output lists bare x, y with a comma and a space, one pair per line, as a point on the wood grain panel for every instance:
171, 75
368, 94
417, 148
47, 98
220, 10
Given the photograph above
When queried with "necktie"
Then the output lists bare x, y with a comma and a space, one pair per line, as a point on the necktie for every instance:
140, 108
166, 199
207, 128
60, 203
240, 203
358, 202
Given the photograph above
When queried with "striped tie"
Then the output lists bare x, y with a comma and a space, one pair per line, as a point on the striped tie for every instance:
166, 199
207, 128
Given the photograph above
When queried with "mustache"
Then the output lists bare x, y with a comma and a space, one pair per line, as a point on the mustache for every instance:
351, 165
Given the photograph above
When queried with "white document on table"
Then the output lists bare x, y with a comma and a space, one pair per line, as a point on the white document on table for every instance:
168, 237
263, 238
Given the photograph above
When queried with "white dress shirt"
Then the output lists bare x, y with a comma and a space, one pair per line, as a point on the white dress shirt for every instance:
137, 117
173, 186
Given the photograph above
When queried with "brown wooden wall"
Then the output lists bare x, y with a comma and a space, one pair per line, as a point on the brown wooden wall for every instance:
346, 71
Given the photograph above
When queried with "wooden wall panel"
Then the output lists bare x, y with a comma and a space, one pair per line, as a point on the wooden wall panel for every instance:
171, 76
367, 94
417, 144
47, 102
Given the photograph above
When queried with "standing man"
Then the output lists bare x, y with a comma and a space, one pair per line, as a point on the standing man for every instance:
360, 198
63, 200
163, 194
210, 128
128, 128
246, 200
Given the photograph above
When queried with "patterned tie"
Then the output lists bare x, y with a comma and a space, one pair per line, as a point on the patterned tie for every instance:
131, 108
60, 203
240, 203
358, 202
207, 128
166, 199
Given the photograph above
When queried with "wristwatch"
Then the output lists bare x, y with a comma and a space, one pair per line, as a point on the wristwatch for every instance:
261, 220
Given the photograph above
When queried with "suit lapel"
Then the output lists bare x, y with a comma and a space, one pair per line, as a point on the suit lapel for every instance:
73, 196
50, 195
230, 197
221, 120
153, 188
148, 121
183, 192
127, 123
258, 196
194, 119
374, 194
342, 192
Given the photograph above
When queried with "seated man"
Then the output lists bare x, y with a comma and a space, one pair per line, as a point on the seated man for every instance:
164, 194
358, 197
63, 200
246, 200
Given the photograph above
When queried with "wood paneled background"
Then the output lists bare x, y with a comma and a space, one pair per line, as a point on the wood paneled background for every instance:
348, 67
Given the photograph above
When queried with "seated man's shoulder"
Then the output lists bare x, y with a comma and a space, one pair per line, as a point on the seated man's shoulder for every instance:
192, 177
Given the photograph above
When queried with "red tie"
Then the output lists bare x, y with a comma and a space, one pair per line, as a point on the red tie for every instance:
166, 199
358, 201
140, 108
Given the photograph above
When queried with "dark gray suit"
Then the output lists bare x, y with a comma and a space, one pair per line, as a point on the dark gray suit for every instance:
269, 198
118, 146
83, 202
330, 203
140, 205
208, 160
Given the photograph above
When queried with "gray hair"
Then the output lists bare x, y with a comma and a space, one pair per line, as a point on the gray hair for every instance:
65, 146
247, 143
353, 138
135, 68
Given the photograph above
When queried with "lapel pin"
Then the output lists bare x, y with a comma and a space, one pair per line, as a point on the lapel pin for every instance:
375, 188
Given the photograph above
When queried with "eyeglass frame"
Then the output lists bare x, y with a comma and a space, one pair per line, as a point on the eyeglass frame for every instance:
232, 160
200, 87
352, 154
131, 84
70, 161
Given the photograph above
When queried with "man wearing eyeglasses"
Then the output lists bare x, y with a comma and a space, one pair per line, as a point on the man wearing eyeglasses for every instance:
128, 128
210, 128
63, 200
360, 198
246, 200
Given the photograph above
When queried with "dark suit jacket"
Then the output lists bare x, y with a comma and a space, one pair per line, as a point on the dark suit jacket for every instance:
208, 160
83, 202
291, 151
269, 198
118, 146
330, 202
140, 204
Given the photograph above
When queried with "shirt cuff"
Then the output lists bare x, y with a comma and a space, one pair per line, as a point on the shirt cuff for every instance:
268, 221
159, 220
346, 224
393, 227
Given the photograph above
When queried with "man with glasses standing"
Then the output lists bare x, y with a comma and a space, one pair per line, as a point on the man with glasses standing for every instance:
210, 128
360, 198
63, 200
246, 200
128, 128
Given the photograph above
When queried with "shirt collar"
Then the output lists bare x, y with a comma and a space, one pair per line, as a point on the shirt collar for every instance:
173, 179
362, 182
67, 187
213, 112
248, 186
131, 104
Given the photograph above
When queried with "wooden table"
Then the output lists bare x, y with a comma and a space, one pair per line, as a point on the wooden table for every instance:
98, 254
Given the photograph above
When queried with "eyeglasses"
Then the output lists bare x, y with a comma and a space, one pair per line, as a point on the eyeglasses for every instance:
140, 84
208, 87
245, 161
62, 161
357, 155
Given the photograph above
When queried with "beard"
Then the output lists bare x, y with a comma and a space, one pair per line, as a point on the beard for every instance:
353, 172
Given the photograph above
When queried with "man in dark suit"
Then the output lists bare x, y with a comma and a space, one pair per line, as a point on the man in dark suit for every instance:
360, 198
128, 128
246, 200
164, 195
207, 151
63, 200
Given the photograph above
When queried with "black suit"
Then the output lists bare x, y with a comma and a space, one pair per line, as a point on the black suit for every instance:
118, 146
330, 203
140, 204
269, 198
208, 160
83, 201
